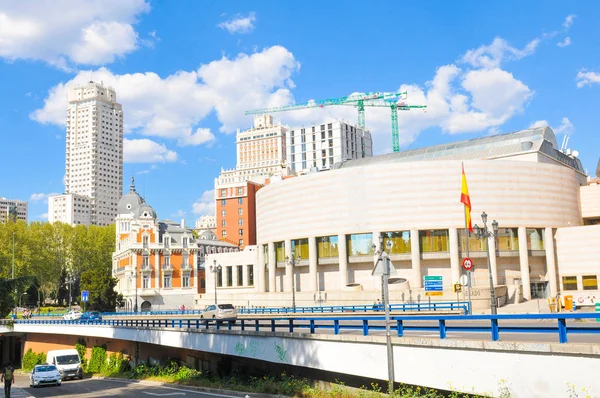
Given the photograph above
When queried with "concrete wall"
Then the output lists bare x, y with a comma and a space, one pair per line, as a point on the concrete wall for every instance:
525, 370
590, 201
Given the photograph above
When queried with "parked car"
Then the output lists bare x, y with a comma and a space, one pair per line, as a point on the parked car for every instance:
221, 312
42, 375
91, 316
72, 315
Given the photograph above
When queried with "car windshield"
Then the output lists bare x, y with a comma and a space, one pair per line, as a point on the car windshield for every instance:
45, 368
226, 306
67, 359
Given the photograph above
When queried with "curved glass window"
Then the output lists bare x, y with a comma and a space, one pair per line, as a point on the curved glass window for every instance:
535, 239
475, 245
280, 251
400, 241
360, 244
507, 239
300, 248
327, 246
434, 240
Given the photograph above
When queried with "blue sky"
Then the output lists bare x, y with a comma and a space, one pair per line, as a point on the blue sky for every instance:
185, 72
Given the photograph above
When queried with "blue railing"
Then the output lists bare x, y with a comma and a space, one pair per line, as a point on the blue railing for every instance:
494, 327
404, 307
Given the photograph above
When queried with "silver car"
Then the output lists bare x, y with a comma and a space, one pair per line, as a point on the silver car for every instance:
43, 375
220, 312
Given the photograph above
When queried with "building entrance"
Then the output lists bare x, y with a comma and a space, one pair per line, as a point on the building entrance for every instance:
539, 290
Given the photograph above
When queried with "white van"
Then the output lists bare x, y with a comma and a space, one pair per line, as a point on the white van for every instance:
67, 362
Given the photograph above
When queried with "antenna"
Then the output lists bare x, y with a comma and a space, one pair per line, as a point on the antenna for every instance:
564, 143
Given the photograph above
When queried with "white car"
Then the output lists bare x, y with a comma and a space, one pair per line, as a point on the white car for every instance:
43, 375
72, 315
220, 312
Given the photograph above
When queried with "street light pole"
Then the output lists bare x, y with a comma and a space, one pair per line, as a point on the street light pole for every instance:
293, 262
13, 256
486, 234
134, 277
384, 256
215, 269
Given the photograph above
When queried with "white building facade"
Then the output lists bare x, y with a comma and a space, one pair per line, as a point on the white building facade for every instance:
69, 209
320, 146
94, 150
13, 209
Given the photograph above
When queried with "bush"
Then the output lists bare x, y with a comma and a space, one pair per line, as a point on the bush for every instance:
98, 359
82, 350
30, 359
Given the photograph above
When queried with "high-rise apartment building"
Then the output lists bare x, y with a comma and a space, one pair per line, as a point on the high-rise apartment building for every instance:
320, 146
94, 155
13, 210
261, 154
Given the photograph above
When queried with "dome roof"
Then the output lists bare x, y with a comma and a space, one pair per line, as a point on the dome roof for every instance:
145, 210
130, 202
207, 235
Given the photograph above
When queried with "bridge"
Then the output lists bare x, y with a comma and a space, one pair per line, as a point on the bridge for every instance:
528, 355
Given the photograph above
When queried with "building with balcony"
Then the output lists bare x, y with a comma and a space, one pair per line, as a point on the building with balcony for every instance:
13, 210
330, 222
155, 262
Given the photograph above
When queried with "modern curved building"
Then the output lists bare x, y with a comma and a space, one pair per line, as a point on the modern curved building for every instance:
330, 220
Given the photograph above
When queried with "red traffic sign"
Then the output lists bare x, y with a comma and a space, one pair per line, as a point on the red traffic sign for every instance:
467, 264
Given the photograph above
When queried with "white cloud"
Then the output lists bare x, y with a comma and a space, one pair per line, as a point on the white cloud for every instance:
493, 55
180, 213
205, 205
146, 171
172, 107
239, 24
146, 151
587, 78
67, 32
538, 123
569, 21
37, 197
566, 127
566, 42
43, 216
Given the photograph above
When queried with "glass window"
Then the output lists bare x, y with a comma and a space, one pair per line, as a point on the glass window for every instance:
145, 261
569, 282
220, 278
185, 281
145, 240
145, 282
223, 192
241, 242
250, 275
185, 242
240, 221
240, 201
241, 232
434, 241
223, 202
400, 241
590, 282
360, 244
166, 241
266, 254
240, 275
535, 239
240, 212
240, 191
327, 246
229, 276
223, 213
508, 239
279, 251
184, 261
223, 223
475, 245
300, 248
167, 281
224, 234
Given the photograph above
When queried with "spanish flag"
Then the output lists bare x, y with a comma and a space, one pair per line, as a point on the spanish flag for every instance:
466, 200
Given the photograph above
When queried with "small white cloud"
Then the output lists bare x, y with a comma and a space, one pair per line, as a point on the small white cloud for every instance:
566, 127
153, 167
538, 123
201, 136
43, 216
566, 42
57, 136
239, 24
493, 55
587, 78
205, 205
180, 213
35, 197
569, 21
146, 151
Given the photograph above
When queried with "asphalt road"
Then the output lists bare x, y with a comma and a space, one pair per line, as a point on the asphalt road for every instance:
104, 388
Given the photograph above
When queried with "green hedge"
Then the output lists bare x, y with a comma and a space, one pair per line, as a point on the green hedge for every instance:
30, 359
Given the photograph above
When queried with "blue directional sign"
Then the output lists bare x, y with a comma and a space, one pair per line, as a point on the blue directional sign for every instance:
85, 296
433, 283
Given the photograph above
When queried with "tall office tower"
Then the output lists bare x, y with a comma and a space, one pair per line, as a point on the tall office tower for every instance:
320, 146
94, 155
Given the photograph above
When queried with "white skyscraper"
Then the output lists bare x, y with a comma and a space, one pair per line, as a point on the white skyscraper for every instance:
94, 157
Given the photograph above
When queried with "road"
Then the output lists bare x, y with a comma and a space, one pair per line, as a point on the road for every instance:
104, 388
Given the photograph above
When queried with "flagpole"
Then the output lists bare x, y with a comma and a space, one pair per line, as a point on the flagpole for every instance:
468, 233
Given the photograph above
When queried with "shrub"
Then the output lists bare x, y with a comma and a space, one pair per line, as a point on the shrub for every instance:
30, 359
98, 359
82, 350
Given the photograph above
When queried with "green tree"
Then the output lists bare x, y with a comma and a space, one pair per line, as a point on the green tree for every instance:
101, 287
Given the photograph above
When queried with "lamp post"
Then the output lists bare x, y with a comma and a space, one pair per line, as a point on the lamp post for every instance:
134, 277
70, 281
293, 262
215, 269
13, 256
486, 234
382, 255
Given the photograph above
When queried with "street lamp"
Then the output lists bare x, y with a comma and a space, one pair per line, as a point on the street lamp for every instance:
134, 277
70, 280
13, 256
382, 255
215, 269
293, 262
486, 234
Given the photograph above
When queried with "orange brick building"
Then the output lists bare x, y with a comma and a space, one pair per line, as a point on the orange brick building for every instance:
236, 214
155, 261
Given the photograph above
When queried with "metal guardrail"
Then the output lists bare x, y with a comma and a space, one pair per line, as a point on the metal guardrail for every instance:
365, 323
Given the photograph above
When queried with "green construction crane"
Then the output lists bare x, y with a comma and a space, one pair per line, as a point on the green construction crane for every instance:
394, 101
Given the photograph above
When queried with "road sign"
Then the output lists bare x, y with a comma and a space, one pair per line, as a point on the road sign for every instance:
464, 280
85, 296
467, 263
433, 284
